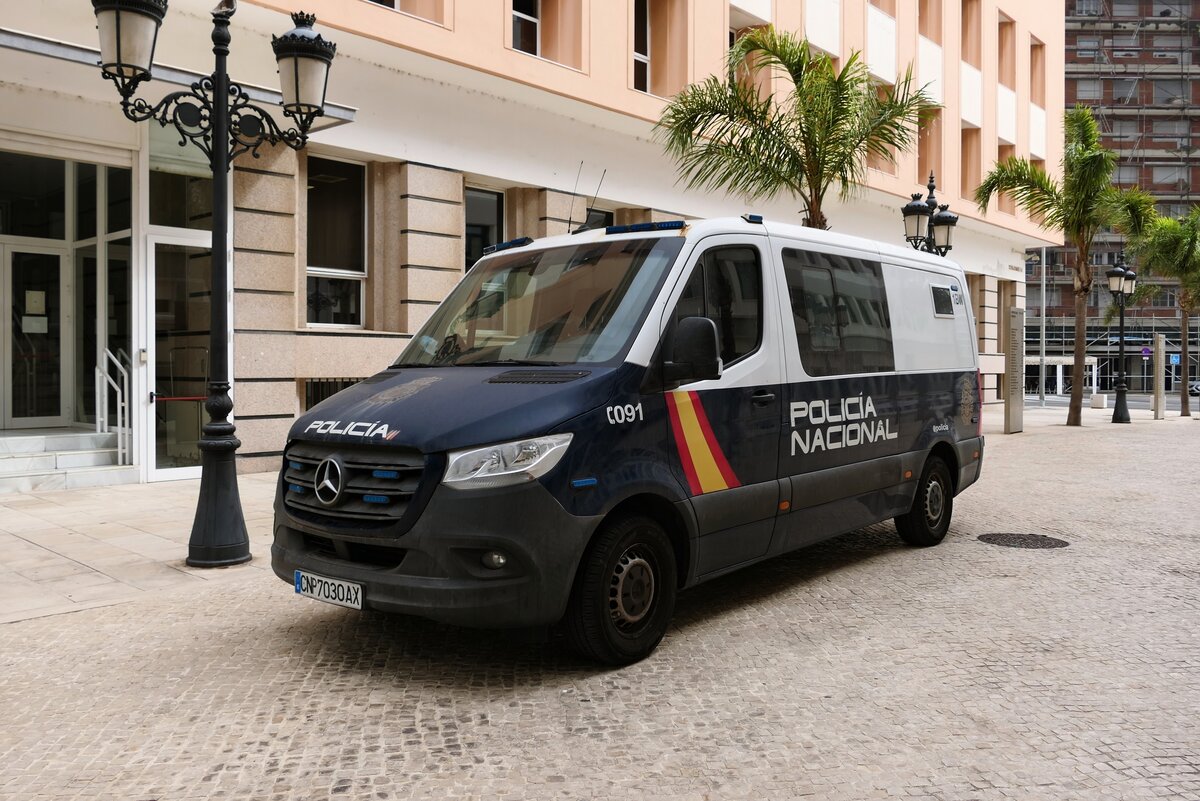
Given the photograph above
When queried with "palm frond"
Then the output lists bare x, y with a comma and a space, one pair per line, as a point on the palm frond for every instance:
1028, 184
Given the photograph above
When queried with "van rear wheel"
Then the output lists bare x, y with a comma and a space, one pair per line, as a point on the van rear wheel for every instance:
624, 595
929, 519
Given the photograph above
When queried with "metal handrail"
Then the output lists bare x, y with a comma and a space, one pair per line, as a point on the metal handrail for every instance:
103, 381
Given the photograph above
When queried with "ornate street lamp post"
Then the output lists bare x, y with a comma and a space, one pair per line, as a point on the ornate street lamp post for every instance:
216, 116
928, 226
1121, 282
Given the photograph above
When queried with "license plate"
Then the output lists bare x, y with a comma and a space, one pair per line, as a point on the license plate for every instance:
329, 590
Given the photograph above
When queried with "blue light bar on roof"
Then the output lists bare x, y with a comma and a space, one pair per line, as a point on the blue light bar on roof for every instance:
519, 242
756, 219
638, 228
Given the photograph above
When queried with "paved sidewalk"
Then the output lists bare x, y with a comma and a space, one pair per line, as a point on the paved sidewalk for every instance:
852, 670
68, 550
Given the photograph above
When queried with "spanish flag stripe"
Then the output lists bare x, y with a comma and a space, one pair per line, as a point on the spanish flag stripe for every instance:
703, 461
714, 447
685, 457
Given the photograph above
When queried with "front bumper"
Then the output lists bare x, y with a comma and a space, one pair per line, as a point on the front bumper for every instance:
434, 570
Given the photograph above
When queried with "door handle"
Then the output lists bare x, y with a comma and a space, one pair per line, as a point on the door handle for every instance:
762, 398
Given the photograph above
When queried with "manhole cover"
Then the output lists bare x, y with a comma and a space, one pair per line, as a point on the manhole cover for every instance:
1023, 541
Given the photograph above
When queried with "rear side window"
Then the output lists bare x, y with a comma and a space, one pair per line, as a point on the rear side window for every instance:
943, 305
840, 311
726, 287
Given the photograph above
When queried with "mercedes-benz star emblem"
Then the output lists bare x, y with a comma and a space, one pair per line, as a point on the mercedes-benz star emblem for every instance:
327, 484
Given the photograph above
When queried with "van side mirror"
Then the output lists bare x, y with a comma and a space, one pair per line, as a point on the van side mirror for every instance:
695, 354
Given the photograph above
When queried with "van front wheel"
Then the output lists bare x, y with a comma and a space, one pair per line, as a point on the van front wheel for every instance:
929, 519
624, 595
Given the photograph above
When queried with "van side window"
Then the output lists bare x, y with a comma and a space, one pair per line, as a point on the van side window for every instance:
839, 308
726, 287
943, 306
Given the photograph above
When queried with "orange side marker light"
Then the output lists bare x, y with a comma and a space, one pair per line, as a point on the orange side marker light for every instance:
784, 506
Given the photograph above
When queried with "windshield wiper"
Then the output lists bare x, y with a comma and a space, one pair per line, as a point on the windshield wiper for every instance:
507, 362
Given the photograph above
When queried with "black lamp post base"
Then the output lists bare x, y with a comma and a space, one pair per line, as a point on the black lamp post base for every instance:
219, 537
1121, 408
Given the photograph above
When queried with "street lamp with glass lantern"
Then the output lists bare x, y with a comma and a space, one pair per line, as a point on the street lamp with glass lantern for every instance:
218, 117
929, 227
1121, 283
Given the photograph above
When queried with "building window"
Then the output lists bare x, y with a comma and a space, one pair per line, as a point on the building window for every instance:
929, 20
1165, 298
1124, 130
971, 33
549, 29
1172, 92
661, 28
641, 45
337, 235
1173, 175
1004, 201
1125, 91
1006, 35
180, 183
33, 193
1087, 8
485, 222
526, 26
971, 161
430, 10
1126, 8
1088, 89
886, 6
598, 218
1037, 73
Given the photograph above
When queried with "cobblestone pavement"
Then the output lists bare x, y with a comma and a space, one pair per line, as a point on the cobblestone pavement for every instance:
856, 669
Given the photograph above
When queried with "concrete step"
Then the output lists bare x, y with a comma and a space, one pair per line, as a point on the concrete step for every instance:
64, 440
20, 463
98, 457
68, 479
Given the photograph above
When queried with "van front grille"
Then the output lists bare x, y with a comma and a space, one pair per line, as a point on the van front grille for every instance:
378, 484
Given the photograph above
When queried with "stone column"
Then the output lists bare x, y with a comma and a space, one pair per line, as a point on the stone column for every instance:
266, 284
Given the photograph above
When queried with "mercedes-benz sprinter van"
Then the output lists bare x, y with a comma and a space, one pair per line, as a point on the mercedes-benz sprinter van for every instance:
592, 422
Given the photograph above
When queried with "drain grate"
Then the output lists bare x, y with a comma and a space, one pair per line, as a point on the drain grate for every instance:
1035, 541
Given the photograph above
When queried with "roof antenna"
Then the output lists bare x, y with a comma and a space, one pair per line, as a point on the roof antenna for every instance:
593, 203
571, 215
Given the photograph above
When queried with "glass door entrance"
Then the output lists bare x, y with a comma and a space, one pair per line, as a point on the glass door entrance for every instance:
36, 337
182, 281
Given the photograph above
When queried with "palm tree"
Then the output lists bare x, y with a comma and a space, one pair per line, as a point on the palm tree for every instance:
725, 134
1171, 248
1081, 205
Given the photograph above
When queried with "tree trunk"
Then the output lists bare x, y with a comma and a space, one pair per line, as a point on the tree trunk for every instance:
1184, 402
1075, 410
813, 216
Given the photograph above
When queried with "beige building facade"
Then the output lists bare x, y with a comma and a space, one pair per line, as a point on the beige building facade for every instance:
452, 124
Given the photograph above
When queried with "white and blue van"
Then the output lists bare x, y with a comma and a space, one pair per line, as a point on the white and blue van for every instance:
590, 423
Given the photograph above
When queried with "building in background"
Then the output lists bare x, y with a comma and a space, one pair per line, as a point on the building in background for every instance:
1133, 62
453, 124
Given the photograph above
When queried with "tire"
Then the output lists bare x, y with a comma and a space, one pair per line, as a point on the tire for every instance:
624, 593
928, 521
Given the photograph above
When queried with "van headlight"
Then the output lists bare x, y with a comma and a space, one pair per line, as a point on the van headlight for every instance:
508, 463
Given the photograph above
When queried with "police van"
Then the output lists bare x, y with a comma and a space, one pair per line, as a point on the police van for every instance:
590, 423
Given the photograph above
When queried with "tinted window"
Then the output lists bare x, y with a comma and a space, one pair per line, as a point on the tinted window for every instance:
726, 287
942, 304
839, 308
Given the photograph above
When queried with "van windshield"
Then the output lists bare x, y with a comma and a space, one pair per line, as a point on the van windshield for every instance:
564, 305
